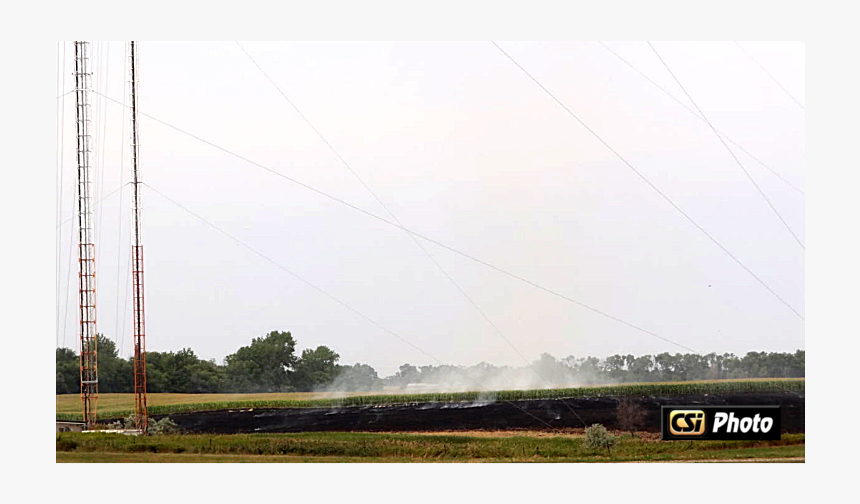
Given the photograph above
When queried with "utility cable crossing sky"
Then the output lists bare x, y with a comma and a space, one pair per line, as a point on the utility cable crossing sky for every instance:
392, 220
432, 259
419, 235
752, 180
690, 110
335, 299
416, 237
650, 184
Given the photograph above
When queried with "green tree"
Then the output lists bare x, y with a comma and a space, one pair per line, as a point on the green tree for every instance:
316, 368
614, 367
406, 375
359, 377
157, 372
183, 372
68, 371
262, 366
642, 368
115, 374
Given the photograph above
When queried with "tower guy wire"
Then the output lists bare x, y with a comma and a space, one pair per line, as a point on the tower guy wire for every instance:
61, 113
385, 207
690, 110
415, 233
325, 293
650, 184
731, 153
119, 254
763, 69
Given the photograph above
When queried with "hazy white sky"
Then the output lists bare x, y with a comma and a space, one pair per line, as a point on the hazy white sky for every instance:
463, 148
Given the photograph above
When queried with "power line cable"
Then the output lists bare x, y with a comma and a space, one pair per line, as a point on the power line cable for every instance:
419, 235
717, 133
651, 185
690, 109
390, 213
771, 76
319, 289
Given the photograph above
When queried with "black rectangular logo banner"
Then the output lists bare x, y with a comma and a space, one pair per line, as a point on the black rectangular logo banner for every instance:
720, 422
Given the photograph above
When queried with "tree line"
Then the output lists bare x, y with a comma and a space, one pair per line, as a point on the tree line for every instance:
270, 364
575, 371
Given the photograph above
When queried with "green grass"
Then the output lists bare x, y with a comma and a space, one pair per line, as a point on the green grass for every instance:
381, 447
246, 401
115, 405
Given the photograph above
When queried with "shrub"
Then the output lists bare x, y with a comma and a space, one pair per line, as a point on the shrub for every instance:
163, 426
117, 425
66, 445
598, 438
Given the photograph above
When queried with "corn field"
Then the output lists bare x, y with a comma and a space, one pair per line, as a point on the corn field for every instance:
621, 390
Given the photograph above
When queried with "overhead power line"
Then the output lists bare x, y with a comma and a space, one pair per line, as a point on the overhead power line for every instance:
731, 153
419, 235
319, 289
690, 110
763, 69
650, 184
391, 214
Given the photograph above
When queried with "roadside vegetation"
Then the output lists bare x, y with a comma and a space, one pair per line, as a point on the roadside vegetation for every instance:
384, 447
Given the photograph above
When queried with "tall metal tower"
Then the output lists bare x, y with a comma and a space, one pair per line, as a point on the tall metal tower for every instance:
86, 236
140, 413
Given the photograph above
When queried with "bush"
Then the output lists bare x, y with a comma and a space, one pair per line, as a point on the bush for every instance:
163, 426
117, 425
66, 445
598, 438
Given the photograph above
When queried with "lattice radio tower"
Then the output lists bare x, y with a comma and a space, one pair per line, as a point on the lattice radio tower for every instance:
86, 245
140, 414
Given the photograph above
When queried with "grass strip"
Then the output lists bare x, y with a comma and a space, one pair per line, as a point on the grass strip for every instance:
374, 447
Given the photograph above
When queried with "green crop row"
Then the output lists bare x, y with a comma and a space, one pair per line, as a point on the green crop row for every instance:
374, 446
636, 389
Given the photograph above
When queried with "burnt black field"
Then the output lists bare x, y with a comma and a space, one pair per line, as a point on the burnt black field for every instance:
545, 414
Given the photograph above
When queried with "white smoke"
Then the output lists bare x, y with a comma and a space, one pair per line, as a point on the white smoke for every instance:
545, 373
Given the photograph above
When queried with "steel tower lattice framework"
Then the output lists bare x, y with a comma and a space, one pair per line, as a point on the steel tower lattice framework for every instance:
140, 413
86, 246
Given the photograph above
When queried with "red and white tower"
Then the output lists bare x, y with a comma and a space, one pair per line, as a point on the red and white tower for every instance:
86, 237
140, 413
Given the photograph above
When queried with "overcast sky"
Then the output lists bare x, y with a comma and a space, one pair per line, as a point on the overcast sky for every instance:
464, 148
